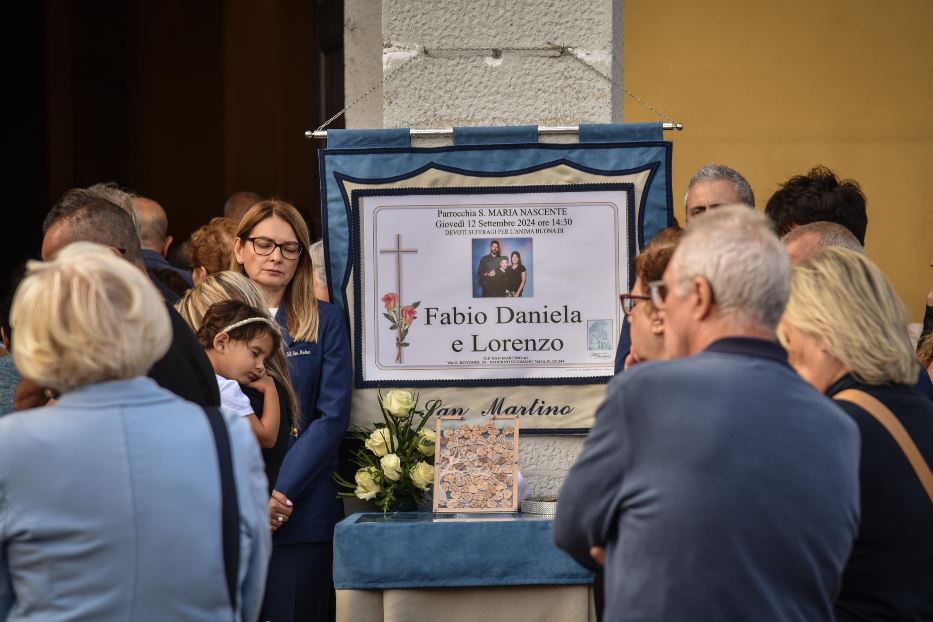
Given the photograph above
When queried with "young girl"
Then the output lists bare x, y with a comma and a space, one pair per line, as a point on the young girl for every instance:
238, 340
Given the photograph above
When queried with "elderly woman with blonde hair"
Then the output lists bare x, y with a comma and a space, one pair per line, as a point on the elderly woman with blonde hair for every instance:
101, 525
845, 332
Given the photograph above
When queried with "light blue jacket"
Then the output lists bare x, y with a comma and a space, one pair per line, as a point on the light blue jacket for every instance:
110, 510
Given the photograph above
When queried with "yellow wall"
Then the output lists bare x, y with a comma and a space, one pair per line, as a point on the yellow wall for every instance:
773, 88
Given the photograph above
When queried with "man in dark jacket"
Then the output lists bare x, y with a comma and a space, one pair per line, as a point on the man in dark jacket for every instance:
84, 215
718, 485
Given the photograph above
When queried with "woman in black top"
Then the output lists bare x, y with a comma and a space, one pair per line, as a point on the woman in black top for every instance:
845, 328
517, 275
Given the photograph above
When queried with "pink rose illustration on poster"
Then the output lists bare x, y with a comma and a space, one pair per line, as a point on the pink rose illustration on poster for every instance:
400, 320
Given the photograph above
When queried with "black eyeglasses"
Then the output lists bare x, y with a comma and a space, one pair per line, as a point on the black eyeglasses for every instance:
265, 246
629, 301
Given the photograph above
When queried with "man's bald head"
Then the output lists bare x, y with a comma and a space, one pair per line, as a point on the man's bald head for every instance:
804, 241
239, 203
153, 225
83, 215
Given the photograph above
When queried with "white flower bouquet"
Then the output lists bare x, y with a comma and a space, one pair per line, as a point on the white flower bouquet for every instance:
396, 461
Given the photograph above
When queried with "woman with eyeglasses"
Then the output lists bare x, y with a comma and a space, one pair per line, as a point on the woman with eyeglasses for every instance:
647, 328
271, 248
845, 331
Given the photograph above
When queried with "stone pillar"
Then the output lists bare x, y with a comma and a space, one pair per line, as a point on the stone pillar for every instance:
362, 62
498, 62
490, 62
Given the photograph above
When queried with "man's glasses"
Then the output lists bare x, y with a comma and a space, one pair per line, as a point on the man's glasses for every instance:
629, 301
658, 290
265, 246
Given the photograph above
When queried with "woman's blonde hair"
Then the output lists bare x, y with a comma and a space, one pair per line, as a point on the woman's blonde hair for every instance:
301, 313
840, 297
86, 317
230, 285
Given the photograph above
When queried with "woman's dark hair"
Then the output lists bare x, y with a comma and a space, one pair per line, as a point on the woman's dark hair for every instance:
519, 257
819, 196
171, 280
229, 312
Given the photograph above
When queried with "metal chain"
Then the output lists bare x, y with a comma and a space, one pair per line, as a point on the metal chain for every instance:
621, 86
562, 49
368, 92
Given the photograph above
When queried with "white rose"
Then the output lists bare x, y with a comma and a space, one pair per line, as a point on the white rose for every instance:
398, 402
426, 440
378, 441
422, 475
366, 486
391, 467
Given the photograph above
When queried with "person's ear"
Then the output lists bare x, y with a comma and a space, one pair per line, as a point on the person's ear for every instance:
167, 244
657, 324
238, 249
701, 296
198, 275
221, 341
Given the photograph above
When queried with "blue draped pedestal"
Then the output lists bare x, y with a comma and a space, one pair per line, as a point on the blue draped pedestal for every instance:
421, 566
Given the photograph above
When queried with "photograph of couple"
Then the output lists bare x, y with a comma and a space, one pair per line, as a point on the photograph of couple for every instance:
502, 273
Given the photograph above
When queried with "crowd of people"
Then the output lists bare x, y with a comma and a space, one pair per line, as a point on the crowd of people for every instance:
762, 453
186, 421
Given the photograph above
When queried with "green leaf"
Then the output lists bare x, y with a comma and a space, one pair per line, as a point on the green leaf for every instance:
405, 344
415, 304
393, 327
388, 317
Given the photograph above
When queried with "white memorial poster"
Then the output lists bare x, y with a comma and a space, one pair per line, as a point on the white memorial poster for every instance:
489, 287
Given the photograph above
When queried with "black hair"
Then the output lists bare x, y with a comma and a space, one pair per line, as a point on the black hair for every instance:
819, 196
223, 314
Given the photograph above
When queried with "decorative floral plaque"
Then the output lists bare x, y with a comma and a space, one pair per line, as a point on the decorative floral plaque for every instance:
476, 465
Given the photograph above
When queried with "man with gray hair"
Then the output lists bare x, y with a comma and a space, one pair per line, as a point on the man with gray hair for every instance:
715, 185
85, 215
804, 241
719, 485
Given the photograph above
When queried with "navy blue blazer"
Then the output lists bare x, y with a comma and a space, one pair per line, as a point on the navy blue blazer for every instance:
322, 377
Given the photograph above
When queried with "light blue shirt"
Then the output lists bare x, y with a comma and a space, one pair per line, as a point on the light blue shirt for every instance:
110, 510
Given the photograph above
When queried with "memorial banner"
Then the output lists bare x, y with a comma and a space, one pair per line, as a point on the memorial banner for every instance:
489, 275
511, 285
